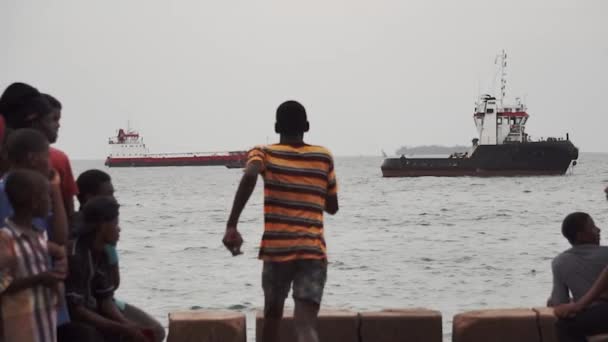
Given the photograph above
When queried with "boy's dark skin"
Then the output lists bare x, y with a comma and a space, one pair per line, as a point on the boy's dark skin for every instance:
112, 321
106, 189
305, 313
40, 162
23, 216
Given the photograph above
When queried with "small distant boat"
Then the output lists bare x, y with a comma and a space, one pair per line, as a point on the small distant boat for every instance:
127, 149
502, 149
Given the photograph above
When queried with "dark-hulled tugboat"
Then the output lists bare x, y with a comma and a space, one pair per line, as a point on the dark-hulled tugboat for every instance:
127, 149
502, 149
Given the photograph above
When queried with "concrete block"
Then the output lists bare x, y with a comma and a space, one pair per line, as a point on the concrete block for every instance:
401, 325
506, 325
207, 326
334, 326
547, 326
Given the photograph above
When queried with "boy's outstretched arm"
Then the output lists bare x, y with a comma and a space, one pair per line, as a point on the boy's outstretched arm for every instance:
232, 238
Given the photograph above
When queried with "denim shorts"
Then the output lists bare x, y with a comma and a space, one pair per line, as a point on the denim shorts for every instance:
308, 277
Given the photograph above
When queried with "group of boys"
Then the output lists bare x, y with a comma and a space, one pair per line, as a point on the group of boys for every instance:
58, 267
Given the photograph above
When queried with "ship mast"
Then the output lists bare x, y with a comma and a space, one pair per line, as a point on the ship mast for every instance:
501, 61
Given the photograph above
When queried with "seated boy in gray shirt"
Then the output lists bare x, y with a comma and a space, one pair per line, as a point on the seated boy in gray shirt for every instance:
574, 272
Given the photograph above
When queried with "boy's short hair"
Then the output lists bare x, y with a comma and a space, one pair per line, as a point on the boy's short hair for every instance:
55, 104
574, 223
21, 104
22, 142
100, 210
291, 118
89, 183
21, 185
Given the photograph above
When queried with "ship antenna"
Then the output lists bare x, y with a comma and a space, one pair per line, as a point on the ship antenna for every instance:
502, 59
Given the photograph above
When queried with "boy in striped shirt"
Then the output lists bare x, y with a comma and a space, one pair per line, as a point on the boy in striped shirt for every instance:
29, 286
299, 185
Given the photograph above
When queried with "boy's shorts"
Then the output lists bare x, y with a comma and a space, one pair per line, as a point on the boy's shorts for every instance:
308, 277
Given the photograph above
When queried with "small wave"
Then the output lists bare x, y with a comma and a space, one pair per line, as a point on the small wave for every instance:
194, 248
238, 307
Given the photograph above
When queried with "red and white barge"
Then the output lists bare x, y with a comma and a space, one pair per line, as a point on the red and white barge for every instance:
127, 149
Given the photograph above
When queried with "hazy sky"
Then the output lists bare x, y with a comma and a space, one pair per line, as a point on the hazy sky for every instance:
208, 75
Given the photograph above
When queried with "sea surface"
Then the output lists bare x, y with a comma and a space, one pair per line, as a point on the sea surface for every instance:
449, 244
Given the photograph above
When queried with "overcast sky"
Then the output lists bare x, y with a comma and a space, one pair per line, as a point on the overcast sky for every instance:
208, 75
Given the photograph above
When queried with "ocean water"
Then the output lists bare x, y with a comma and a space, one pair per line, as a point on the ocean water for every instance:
449, 244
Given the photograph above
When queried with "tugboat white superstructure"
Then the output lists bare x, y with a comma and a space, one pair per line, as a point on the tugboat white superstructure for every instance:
127, 149
502, 149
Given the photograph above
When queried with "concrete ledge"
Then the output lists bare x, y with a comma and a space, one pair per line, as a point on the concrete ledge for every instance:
495, 325
415, 325
547, 326
334, 326
504, 325
207, 326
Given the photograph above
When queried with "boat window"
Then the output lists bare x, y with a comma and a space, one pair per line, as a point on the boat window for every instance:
490, 110
499, 121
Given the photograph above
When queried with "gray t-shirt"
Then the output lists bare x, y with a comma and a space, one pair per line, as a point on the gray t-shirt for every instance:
575, 271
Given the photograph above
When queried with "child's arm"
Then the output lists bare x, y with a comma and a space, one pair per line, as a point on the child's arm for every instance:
60, 260
597, 290
232, 238
49, 279
7, 262
108, 325
113, 261
7, 257
331, 199
59, 234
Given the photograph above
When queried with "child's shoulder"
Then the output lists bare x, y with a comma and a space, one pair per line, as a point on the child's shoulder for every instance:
317, 150
320, 149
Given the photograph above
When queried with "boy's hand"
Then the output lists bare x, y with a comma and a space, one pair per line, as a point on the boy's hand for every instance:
51, 278
60, 261
60, 266
135, 334
56, 251
233, 240
567, 310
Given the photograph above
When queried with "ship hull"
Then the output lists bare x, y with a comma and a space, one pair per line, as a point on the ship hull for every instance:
227, 161
514, 159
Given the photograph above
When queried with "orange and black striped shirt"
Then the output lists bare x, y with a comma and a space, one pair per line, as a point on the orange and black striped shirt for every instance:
297, 179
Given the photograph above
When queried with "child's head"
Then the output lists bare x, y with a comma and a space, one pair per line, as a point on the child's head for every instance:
101, 219
24, 106
28, 193
49, 124
28, 149
93, 183
291, 119
579, 228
